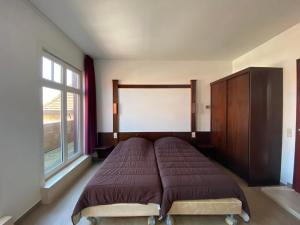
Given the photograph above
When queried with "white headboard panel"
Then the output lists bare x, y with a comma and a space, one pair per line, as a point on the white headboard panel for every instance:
150, 110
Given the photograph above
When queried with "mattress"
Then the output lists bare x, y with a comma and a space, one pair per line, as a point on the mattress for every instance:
188, 175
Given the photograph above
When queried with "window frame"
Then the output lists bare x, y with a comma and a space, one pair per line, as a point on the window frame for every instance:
64, 90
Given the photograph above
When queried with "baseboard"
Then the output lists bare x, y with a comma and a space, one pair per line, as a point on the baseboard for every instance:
19, 220
6, 220
60, 182
286, 184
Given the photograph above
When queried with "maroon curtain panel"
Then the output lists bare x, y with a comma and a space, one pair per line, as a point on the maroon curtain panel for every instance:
90, 105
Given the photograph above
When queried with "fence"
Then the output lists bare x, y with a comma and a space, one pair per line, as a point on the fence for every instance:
52, 135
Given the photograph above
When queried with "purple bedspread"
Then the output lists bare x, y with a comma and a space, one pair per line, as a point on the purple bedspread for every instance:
188, 175
128, 175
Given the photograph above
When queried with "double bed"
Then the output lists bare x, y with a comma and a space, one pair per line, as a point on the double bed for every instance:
169, 177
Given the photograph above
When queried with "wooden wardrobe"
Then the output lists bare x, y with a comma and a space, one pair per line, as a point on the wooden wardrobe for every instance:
246, 123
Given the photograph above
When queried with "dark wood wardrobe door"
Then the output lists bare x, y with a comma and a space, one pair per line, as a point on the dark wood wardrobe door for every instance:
218, 119
296, 185
238, 124
266, 127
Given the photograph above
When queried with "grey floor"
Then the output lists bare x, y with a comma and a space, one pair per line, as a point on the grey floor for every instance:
264, 210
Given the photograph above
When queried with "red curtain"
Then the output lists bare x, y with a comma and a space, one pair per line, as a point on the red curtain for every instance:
90, 105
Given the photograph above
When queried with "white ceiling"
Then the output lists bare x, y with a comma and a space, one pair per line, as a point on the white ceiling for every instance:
170, 29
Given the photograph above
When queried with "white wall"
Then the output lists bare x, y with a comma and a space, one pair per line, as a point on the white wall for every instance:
24, 31
281, 51
157, 72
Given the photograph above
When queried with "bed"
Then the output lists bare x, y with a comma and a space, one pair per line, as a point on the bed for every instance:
193, 185
127, 184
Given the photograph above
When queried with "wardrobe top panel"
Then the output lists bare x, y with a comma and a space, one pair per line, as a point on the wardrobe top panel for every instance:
247, 70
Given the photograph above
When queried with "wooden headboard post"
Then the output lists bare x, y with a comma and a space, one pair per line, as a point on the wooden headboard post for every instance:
115, 84
193, 109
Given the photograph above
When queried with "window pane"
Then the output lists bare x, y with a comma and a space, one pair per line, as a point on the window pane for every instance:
47, 68
52, 123
72, 123
57, 73
69, 77
72, 79
75, 80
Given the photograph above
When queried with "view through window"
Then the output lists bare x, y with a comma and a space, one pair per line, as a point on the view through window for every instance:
62, 107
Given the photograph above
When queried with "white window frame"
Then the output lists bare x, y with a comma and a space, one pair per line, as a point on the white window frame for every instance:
64, 90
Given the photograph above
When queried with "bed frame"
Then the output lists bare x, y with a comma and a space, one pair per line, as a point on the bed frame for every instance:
230, 207
227, 206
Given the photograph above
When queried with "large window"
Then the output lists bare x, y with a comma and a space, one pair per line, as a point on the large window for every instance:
62, 113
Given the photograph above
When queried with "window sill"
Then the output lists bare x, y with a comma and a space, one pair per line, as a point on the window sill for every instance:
62, 166
55, 185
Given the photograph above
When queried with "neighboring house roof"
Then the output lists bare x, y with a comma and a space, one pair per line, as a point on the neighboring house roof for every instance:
55, 104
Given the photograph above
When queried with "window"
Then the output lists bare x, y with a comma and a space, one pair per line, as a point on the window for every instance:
62, 113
